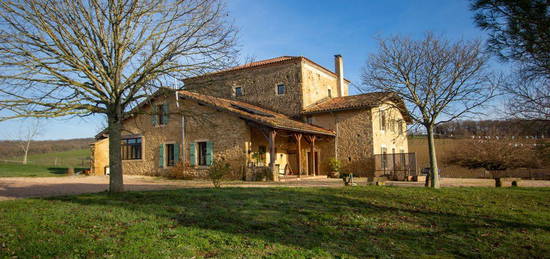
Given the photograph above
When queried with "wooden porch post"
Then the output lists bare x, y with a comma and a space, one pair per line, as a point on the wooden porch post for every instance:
272, 154
311, 140
298, 137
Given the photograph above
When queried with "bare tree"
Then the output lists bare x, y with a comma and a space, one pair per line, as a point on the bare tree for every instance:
81, 57
529, 97
25, 135
439, 80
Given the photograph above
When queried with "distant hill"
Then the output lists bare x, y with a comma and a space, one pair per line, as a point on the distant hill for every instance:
10, 148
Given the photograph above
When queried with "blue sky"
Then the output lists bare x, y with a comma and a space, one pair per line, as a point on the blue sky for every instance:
314, 29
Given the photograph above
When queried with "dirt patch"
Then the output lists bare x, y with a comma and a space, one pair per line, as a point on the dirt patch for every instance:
25, 187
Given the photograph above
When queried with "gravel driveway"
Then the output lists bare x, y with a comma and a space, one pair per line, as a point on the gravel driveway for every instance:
24, 187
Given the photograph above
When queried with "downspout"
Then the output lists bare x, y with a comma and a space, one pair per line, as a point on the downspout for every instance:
182, 153
183, 139
335, 116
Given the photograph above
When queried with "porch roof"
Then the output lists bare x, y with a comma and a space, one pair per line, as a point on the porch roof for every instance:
257, 114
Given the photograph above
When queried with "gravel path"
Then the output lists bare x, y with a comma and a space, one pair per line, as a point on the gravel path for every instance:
24, 187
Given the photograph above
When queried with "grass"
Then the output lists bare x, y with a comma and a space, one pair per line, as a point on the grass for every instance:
47, 164
17, 170
353, 222
71, 158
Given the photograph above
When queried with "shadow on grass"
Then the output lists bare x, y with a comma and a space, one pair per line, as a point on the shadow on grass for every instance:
339, 221
62, 170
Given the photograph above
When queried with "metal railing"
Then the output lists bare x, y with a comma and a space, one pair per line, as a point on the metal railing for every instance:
396, 166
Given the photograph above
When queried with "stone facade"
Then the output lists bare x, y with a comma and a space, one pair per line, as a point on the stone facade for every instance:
242, 144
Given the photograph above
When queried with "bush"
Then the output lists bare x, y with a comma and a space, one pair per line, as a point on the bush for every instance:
181, 172
335, 166
217, 171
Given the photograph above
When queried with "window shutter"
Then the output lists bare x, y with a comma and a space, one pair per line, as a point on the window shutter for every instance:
154, 115
192, 154
161, 155
165, 114
209, 152
176, 152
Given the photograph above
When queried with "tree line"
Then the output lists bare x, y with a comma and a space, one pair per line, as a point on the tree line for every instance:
512, 127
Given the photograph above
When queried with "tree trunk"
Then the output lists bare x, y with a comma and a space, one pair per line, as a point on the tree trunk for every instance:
433, 158
25, 156
116, 183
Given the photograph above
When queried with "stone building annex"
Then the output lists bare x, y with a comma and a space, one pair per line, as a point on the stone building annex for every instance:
286, 115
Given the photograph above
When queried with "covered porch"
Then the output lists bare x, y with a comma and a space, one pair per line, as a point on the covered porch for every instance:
287, 153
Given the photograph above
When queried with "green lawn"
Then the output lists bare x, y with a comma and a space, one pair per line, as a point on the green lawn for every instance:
71, 158
282, 222
17, 170
47, 164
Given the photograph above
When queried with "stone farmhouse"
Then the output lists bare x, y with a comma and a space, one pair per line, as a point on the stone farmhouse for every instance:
286, 115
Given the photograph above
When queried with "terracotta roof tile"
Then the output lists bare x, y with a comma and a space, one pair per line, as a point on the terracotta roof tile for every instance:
354, 102
267, 62
256, 114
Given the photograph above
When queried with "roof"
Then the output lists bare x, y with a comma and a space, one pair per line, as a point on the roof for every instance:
355, 102
256, 114
267, 62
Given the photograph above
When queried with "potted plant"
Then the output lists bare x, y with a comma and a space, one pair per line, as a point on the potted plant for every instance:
335, 166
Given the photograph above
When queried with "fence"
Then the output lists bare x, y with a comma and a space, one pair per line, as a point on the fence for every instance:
396, 166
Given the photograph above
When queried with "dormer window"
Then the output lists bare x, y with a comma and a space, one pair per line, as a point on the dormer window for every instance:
238, 91
281, 89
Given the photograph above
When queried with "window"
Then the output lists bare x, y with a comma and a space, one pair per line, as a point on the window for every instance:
382, 120
281, 89
160, 114
400, 126
309, 119
131, 148
170, 154
329, 93
238, 91
202, 153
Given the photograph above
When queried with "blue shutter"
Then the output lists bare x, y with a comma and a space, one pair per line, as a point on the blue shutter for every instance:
165, 114
161, 155
192, 154
154, 115
209, 152
176, 152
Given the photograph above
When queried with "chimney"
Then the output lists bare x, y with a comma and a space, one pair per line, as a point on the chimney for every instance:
339, 70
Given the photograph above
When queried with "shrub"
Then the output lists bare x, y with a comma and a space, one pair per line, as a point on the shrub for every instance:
181, 172
335, 165
217, 171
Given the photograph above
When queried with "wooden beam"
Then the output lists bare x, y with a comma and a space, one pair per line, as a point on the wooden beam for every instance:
272, 155
298, 137
311, 140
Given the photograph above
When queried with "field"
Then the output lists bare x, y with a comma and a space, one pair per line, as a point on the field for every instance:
46, 164
352, 222
445, 147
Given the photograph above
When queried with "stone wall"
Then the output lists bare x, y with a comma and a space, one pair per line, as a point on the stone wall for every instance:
259, 86
316, 83
390, 138
353, 143
99, 156
228, 133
